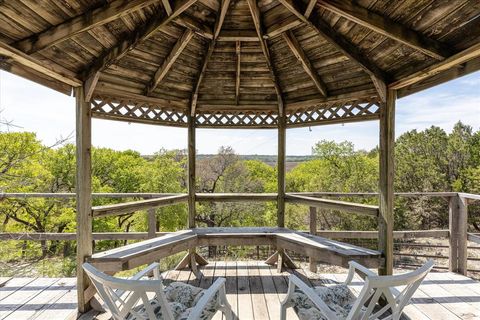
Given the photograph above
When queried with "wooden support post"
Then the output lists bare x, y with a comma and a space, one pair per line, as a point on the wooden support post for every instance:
313, 231
152, 223
282, 132
83, 194
191, 171
386, 217
458, 234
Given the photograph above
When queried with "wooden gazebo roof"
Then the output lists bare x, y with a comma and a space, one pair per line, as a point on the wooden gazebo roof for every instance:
239, 63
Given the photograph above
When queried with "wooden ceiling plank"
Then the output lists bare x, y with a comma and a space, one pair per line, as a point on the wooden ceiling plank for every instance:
386, 27
50, 70
255, 12
216, 31
455, 60
124, 46
237, 77
378, 76
162, 72
297, 50
79, 24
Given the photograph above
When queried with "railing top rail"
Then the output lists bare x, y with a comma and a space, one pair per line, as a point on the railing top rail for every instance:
67, 195
130, 207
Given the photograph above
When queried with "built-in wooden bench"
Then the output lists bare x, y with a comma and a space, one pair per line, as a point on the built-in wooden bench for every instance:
327, 250
319, 248
143, 252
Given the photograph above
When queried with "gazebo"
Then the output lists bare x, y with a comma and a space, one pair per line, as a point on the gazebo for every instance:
266, 64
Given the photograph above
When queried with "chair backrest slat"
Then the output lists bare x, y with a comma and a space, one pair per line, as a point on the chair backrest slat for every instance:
122, 295
377, 287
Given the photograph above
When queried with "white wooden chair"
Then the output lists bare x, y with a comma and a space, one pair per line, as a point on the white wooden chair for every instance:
338, 302
137, 298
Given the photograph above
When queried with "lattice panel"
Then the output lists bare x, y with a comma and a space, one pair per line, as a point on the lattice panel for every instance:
335, 113
242, 120
136, 112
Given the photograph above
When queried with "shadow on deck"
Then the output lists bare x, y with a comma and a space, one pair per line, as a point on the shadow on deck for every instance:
254, 290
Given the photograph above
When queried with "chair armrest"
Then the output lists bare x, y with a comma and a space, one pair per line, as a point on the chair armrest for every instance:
294, 281
356, 267
155, 267
207, 296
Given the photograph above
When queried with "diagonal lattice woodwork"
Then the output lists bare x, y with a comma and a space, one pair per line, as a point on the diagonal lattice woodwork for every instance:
128, 110
335, 113
239, 120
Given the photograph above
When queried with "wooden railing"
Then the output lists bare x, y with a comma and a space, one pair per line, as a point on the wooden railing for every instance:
457, 232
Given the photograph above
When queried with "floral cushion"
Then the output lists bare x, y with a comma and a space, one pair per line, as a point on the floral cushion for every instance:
181, 298
338, 298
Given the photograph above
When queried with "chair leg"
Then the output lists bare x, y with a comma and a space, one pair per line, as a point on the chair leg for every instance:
283, 312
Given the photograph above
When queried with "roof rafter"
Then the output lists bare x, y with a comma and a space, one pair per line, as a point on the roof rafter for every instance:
455, 60
297, 50
255, 12
79, 24
51, 70
386, 27
237, 77
379, 78
167, 7
124, 46
162, 72
310, 7
216, 31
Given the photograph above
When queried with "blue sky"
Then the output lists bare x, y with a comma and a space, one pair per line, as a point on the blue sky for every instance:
32, 107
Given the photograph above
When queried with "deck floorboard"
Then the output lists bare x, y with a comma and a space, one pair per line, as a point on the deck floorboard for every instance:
254, 290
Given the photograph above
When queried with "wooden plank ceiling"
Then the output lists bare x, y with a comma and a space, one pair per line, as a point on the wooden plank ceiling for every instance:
274, 56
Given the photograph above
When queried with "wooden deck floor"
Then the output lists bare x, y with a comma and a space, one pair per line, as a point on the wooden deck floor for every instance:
253, 289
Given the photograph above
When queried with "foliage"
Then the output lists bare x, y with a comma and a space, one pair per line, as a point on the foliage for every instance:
428, 160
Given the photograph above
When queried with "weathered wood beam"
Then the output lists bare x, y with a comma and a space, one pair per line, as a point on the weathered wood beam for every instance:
387, 27
221, 18
455, 72
234, 36
255, 12
310, 6
378, 76
277, 29
334, 205
191, 170
455, 60
115, 53
167, 7
90, 85
83, 193
130, 207
199, 28
176, 51
297, 50
79, 24
236, 197
386, 194
216, 31
237, 76
281, 170
52, 70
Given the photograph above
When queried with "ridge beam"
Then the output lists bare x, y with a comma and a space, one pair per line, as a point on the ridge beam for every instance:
255, 12
297, 50
167, 64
